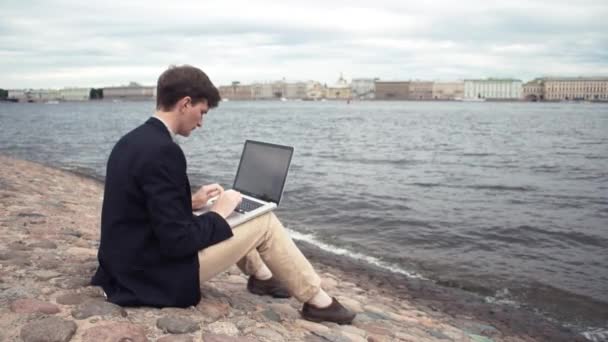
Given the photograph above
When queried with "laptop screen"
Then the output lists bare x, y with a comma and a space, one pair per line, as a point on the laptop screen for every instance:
263, 170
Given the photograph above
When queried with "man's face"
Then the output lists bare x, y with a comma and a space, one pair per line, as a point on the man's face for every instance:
192, 116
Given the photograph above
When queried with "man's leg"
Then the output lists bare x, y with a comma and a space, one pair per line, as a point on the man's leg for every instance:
276, 249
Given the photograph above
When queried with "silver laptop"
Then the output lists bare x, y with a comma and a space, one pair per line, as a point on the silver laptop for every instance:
260, 178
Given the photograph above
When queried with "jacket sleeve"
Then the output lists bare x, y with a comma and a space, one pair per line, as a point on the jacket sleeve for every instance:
165, 187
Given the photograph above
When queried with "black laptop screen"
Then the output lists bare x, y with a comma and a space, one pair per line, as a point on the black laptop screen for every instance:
263, 170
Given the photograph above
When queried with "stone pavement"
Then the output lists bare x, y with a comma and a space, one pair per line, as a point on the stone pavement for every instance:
49, 228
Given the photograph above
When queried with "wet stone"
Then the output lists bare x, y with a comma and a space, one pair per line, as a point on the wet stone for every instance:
115, 332
18, 246
29, 305
97, 307
74, 283
212, 310
71, 299
177, 325
52, 329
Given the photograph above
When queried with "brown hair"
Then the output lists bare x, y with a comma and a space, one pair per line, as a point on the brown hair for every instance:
178, 82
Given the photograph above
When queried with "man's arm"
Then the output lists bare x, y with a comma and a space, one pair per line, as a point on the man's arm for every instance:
180, 233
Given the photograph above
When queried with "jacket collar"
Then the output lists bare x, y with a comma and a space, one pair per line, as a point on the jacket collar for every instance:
156, 122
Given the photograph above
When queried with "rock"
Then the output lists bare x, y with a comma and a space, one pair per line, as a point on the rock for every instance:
115, 332
271, 315
351, 304
71, 232
34, 215
354, 337
29, 305
18, 246
46, 275
71, 299
268, 334
223, 328
176, 338
285, 311
328, 283
48, 264
212, 310
52, 329
15, 292
377, 329
332, 336
97, 307
177, 325
74, 283
44, 244
11, 254
479, 338
225, 338
245, 323
311, 326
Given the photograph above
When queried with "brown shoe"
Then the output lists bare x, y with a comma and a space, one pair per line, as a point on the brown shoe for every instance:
335, 312
269, 287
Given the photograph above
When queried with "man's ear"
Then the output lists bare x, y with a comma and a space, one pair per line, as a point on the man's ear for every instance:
183, 102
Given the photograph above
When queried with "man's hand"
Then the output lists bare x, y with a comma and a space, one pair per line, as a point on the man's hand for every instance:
202, 196
227, 202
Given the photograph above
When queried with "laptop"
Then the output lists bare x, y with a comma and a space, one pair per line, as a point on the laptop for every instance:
260, 178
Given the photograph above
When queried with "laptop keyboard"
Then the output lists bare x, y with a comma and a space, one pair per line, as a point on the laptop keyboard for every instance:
247, 205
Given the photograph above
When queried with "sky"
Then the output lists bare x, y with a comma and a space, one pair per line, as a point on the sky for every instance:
55, 44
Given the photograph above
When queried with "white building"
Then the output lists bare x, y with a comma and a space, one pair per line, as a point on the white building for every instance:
295, 90
17, 94
75, 94
363, 88
493, 89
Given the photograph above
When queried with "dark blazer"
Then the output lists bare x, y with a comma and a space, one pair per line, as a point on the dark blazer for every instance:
149, 236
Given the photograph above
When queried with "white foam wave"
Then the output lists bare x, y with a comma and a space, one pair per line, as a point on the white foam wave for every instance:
596, 335
310, 238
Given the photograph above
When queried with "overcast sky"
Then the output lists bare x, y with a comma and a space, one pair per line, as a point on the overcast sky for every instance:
46, 43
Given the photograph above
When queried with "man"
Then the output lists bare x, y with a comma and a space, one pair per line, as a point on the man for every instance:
155, 252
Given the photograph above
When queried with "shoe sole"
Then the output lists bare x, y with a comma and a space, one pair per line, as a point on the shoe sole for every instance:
262, 293
318, 320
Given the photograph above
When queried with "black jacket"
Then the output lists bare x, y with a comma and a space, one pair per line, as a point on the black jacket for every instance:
149, 236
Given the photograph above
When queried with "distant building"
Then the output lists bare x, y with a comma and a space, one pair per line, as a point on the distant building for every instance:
534, 90
236, 91
392, 90
575, 88
363, 88
75, 94
133, 91
17, 95
296, 90
421, 90
448, 90
315, 90
262, 91
493, 89
339, 91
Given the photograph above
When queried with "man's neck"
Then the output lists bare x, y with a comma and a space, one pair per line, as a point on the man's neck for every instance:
168, 118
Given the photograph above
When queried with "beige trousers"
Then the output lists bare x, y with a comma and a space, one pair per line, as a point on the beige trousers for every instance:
258, 241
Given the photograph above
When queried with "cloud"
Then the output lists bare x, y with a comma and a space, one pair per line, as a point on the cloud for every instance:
67, 43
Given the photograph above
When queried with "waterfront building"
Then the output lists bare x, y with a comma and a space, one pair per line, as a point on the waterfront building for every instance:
534, 90
492, 89
339, 91
295, 91
17, 95
575, 88
133, 91
236, 91
75, 94
262, 91
421, 90
315, 90
363, 88
448, 90
392, 90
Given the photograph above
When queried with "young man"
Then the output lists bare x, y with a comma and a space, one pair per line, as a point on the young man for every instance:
155, 252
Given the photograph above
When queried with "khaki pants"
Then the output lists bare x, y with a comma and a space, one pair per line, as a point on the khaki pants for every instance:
262, 240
